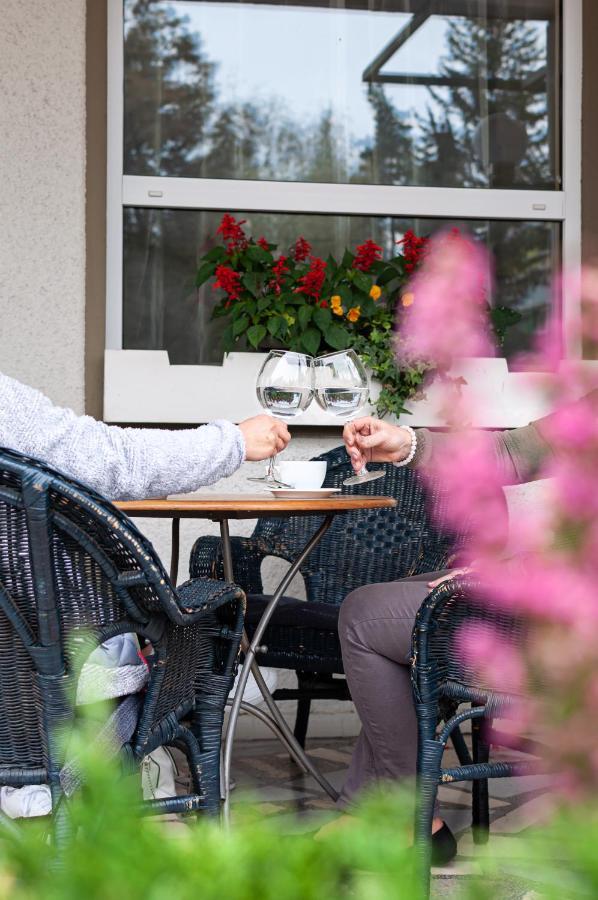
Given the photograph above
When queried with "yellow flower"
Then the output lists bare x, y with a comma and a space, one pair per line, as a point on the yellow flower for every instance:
407, 299
337, 310
354, 313
336, 301
375, 292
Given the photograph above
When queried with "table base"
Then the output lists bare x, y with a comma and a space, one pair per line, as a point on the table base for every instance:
275, 720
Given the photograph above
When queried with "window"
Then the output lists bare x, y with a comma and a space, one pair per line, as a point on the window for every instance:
339, 121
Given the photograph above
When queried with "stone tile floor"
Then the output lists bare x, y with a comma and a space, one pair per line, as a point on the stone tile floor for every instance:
262, 768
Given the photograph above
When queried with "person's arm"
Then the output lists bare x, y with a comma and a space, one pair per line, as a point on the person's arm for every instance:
520, 453
130, 463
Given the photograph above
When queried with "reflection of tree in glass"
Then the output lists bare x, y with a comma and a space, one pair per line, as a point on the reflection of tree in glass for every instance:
389, 158
479, 134
481, 57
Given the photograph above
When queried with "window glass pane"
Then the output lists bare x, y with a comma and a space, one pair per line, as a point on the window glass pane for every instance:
348, 92
163, 310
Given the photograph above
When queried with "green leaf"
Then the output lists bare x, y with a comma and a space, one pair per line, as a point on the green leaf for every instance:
276, 326
322, 318
264, 303
347, 260
205, 271
367, 306
216, 254
258, 254
255, 334
346, 295
304, 314
237, 310
502, 318
387, 275
310, 340
251, 281
240, 325
228, 342
338, 337
362, 281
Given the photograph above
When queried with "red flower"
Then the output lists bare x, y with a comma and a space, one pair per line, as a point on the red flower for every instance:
324, 304
263, 243
367, 254
228, 281
279, 270
301, 249
414, 249
311, 283
232, 231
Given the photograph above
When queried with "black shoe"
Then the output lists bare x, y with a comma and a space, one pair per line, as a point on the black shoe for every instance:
444, 846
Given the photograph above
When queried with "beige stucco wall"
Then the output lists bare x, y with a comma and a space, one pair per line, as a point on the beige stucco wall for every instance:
42, 195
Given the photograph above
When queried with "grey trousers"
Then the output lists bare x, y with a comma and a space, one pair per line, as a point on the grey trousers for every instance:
375, 626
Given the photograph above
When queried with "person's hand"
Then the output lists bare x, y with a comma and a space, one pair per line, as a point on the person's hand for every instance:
264, 436
454, 573
372, 440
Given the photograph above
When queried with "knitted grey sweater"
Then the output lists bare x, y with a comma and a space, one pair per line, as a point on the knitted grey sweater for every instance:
120, 463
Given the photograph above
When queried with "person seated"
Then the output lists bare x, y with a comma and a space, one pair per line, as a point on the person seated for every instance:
121, 464
376, 621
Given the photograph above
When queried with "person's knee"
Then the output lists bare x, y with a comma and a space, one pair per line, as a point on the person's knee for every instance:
352, 609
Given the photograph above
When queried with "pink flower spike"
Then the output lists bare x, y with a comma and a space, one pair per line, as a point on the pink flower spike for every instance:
452, 289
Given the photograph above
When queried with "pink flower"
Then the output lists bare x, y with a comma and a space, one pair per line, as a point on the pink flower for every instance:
498, 662
452, 288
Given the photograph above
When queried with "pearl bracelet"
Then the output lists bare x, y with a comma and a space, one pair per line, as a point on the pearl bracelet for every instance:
411, 454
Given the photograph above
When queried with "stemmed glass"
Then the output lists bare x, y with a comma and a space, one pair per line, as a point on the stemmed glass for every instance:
285, 388
342, 388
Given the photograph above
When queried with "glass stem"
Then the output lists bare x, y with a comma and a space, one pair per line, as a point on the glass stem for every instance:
271, 465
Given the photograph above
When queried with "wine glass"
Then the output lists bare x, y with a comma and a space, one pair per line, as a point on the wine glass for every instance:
285, 389
342, 388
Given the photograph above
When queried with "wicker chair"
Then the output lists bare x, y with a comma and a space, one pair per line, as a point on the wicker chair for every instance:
360, 548
442, 682
72, 568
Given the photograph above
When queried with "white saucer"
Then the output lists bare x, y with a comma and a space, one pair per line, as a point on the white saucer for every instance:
300, 494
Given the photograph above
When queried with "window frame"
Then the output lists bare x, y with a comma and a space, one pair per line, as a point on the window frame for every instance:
563, 206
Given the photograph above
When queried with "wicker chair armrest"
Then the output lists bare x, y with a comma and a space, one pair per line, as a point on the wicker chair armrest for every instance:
200, 596
456, 602
461, 587
247, 556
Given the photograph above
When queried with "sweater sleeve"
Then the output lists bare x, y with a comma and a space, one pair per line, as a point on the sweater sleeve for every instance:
120, 463
520, 453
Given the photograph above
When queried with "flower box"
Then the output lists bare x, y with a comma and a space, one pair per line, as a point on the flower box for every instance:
140, 386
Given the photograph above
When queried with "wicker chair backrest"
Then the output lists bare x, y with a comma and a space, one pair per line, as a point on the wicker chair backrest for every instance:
70, 564
367, 546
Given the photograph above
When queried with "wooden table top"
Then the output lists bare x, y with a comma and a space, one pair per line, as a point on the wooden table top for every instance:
249, 506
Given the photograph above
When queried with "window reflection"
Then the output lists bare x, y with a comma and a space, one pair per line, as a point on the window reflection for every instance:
379, 92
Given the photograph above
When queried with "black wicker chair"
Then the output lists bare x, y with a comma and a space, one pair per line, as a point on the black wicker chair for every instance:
72, 568
360, 548
442, 682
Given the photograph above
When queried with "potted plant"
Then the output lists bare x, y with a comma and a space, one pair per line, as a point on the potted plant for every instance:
299, 301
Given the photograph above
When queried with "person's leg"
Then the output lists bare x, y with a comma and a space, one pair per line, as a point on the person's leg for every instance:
375, 626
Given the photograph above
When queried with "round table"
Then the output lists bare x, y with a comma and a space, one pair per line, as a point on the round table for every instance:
222, 508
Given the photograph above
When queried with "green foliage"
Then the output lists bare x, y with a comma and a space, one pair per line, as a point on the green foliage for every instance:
112, 853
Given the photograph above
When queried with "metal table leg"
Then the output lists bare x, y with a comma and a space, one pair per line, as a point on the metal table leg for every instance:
284, 734
174, 548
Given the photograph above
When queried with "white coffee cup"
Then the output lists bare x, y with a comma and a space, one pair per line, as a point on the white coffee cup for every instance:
304, 475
